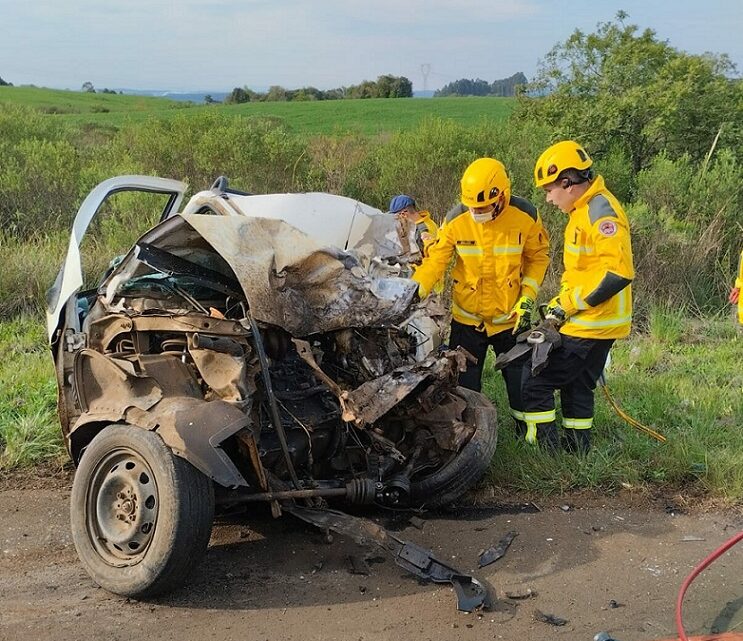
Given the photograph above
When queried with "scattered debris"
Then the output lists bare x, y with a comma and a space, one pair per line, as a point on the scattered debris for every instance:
358, 565
689, 538
520, 593
551, 619
536, 507
653, 569
417, 522
471, 594
673, 509
565, 508
494, 553
613, 604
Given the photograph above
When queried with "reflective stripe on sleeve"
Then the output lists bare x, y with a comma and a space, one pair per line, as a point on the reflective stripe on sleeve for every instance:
530, 282
577, 250
579, 302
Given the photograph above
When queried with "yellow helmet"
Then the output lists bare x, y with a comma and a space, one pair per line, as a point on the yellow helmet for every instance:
567, 154
486, 182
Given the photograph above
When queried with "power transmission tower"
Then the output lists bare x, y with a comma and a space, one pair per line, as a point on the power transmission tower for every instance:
425, 70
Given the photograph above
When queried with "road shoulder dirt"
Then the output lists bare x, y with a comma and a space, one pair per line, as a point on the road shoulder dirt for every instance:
602, 564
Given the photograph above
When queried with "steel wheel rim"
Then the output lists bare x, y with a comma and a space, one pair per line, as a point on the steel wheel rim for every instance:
122, 507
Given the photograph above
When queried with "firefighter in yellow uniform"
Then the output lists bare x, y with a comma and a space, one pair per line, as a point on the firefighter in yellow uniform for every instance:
735, 296
594, 306
417, 223
501, 250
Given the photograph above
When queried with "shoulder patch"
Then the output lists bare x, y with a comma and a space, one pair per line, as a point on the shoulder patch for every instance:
524, 205
455, 211
599, 207
607, 228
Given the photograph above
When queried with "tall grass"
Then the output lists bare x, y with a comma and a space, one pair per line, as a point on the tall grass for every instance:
29, 430
683, 379
27, 270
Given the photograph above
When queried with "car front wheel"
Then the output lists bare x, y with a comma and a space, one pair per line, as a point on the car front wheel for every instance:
450, 482
141, 517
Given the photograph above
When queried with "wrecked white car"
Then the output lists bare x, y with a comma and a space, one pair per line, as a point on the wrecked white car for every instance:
249, 348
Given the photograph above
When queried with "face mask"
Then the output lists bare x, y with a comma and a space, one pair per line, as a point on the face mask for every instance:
482, 218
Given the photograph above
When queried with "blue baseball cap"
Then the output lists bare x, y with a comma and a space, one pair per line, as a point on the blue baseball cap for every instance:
398, 203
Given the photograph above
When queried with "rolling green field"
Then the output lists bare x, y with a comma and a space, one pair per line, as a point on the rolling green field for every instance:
376, 115
60, 102
368, 117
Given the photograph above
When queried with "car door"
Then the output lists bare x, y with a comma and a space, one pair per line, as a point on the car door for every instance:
62, 296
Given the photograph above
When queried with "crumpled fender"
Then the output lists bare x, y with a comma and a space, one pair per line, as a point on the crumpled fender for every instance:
195, 430
192, 428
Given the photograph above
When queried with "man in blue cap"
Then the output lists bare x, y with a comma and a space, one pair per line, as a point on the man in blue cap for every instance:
417, 225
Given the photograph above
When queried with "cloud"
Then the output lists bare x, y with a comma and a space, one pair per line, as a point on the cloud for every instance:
218, 44
419, 13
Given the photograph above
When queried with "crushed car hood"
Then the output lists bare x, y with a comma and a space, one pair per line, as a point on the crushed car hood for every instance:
288, 278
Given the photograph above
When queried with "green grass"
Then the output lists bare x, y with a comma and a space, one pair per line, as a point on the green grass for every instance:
335, 117
684, 380
29, 431
366, 117
60, 101
375, 116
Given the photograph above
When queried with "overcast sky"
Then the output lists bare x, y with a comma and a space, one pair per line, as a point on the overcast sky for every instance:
219, 44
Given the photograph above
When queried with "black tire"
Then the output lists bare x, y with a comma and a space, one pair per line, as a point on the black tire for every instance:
141, 516
461, 473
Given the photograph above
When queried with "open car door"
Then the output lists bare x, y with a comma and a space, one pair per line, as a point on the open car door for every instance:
61, 297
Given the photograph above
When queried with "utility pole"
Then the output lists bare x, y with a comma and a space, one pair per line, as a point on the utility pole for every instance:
425, 70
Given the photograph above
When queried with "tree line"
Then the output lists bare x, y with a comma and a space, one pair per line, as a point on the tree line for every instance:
504, 87
385, 86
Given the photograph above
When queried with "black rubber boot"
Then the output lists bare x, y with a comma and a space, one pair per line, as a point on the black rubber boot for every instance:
548, 437
520, 428
577, 441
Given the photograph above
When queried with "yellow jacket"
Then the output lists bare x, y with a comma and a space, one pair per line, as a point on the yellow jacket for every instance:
595, 291
496, 262
427, 225
739, 285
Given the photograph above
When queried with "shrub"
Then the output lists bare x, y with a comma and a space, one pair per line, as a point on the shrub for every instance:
259, 156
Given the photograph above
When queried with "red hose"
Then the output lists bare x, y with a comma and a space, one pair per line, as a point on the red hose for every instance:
695, 572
